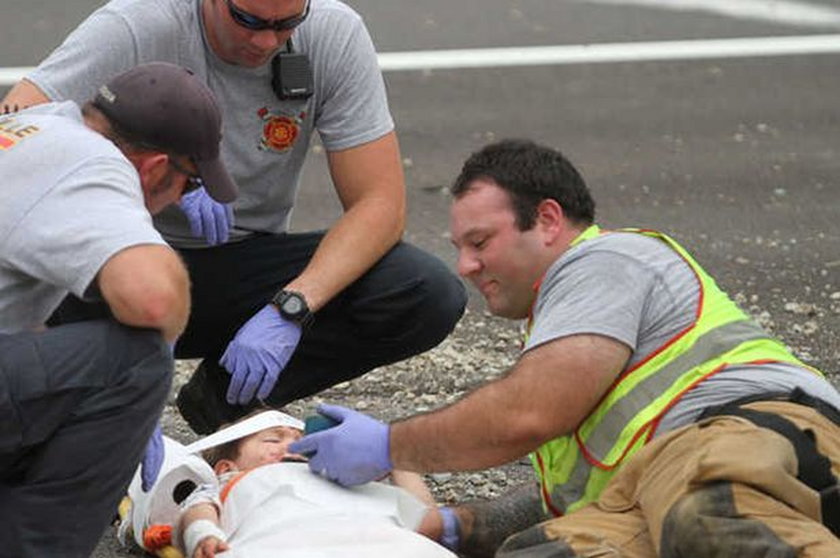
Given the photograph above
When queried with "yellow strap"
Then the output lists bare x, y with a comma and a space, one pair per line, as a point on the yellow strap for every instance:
591, 232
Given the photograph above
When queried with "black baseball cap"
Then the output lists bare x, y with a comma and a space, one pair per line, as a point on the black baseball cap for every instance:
167, 107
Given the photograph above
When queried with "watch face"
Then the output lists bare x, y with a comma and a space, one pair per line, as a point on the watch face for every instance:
293, 305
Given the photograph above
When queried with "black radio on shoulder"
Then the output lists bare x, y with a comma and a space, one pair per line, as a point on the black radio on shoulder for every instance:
291, 75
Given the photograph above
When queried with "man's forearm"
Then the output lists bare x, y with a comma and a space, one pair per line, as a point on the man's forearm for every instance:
350, 248
487, 428
23, 94
549, 391
486, 525
371, 187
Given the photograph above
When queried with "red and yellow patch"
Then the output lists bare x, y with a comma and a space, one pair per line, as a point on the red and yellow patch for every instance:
280, 131
12, 133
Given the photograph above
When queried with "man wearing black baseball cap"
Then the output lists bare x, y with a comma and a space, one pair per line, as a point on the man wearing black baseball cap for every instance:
79, 402
165, 107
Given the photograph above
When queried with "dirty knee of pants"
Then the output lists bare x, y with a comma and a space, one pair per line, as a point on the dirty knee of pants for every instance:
706, 524
535, 543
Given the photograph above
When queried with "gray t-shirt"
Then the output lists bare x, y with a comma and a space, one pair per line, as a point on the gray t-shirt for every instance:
69, 201
637, 290
265, 140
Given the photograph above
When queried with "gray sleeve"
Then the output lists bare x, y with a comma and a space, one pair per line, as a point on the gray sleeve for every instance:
95, 212
354, 109
102, 46
595, 292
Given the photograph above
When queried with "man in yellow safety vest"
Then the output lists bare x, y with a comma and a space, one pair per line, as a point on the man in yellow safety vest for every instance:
660, 419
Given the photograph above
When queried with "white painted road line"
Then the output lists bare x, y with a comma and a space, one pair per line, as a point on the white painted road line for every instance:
799, 14
610, 52
10, 76
583, 54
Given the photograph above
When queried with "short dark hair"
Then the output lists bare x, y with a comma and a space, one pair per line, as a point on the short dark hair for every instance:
529, 173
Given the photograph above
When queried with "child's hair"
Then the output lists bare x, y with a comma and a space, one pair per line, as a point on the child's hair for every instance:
229, 450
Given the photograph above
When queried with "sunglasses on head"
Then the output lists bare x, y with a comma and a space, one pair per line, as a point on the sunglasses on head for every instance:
255, 23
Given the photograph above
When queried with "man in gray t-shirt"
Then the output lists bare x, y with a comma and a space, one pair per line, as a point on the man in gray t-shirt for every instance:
79, 402
660, 419
282, 70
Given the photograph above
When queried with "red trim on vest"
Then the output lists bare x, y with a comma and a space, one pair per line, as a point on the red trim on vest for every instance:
544, 489
603, 466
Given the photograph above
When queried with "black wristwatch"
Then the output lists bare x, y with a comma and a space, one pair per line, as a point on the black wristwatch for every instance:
293, 307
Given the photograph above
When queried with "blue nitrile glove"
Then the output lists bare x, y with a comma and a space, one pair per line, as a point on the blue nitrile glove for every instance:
208, 218
258, 353
354, 452
152, 460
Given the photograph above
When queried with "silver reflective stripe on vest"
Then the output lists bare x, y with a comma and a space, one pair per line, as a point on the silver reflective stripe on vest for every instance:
710, 345
572, 490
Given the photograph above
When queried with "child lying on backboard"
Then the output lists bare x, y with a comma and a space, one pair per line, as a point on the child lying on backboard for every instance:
258, 500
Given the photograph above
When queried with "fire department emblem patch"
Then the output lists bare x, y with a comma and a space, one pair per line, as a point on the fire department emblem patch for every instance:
279, 131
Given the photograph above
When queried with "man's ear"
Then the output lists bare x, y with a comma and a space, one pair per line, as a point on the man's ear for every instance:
151, 166
550, 218
224, 466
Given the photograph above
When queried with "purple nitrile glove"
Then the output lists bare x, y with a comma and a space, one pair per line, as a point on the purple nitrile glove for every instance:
152, 460
356, 451
208, 218
258, 353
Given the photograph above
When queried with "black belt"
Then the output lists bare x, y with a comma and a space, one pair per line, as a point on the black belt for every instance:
814, 467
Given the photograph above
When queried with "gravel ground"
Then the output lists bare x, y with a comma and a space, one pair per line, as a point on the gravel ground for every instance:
481, 348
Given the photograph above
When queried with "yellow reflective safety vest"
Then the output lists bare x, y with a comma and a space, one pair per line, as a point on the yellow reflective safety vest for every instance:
574, 469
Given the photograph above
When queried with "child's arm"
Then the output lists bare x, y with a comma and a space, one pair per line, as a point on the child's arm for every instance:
432, 524
414, 484
200, 534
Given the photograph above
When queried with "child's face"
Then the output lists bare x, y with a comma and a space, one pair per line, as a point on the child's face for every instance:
267, 446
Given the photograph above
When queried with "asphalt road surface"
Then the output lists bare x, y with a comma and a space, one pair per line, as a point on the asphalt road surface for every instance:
736, 156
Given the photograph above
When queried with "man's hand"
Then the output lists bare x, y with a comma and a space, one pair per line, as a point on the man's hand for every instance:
354, 452
258, 353
152, 460
208, 218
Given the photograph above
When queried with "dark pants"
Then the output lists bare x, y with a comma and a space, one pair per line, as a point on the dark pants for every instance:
406, 304
78, 404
